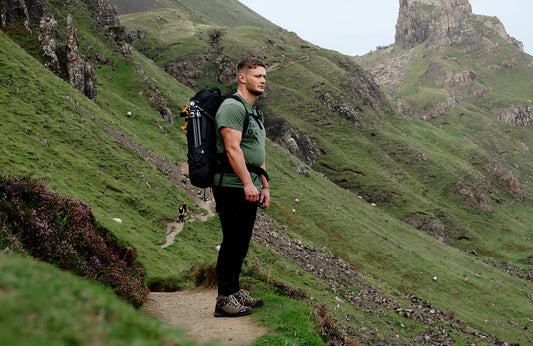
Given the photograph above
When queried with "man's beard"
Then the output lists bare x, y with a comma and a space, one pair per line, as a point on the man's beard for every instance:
256, 92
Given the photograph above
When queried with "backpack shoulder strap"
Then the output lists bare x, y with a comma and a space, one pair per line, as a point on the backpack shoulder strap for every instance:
248, 115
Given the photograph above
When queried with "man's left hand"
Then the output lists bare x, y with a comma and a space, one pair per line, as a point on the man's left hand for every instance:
264, 198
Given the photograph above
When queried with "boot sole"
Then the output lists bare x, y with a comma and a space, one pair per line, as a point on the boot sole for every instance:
258, 304
226, 314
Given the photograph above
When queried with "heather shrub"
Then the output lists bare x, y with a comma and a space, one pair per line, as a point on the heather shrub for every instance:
63, 231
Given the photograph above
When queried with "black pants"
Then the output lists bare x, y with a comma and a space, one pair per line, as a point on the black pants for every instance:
237, 217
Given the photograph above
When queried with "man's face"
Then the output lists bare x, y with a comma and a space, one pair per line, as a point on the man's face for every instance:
255, 79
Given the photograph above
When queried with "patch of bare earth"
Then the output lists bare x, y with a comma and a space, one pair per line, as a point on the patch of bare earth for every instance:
193, 311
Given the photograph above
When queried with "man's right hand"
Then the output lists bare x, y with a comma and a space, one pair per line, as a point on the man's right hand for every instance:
251, 193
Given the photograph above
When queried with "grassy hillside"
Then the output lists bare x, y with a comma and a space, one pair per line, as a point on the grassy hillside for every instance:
39, 301
406, 157
498, 221
230, 13
408, 167
45, 133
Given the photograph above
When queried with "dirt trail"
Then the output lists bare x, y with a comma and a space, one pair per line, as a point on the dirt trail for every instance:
193, 310
277, 65
205, 202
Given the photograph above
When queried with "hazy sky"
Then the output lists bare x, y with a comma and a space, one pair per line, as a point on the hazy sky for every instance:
357, 27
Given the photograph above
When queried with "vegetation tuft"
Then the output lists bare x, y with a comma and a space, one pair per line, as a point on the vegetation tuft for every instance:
330, 331
281, 287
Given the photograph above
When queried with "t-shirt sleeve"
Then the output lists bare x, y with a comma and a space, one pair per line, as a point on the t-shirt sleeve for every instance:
230, 115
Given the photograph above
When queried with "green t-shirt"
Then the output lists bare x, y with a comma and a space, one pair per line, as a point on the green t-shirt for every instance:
232, 114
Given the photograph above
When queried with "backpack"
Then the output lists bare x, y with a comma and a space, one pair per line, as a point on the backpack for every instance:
200, 129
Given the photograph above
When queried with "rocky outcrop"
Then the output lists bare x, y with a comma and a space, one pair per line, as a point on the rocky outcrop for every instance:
437, 22
445, 22
185, 72
30, 11
155, 97
429, 225
81, 74
456, 81
497, 29
343, 109
474, 196
158, 101
104, 12
506, 180
388, 75
294, 140
226, 70
300, 145
189, 70
120, 35
107, 14
49, 37
134, 36
482, 193
515, 114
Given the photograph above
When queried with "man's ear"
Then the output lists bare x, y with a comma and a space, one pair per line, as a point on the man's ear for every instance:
241, 78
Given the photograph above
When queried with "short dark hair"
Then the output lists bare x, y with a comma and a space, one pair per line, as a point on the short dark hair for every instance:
249, 62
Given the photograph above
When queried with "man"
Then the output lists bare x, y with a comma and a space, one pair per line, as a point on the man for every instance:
182, 212
239, 193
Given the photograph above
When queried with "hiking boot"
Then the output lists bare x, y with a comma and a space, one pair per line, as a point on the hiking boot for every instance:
229, 306
244, 298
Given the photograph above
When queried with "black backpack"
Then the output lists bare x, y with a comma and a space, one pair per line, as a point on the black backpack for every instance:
201, 138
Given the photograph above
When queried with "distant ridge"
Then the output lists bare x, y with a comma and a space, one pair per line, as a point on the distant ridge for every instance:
227, 13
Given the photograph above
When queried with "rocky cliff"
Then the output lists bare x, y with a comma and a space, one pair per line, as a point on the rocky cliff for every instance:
29, 12
448, 61
425, 30
445, 22
67, 63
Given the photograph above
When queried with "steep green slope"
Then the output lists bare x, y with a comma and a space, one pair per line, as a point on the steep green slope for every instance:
229, 13
409, 167
405, 158
419, 173
44, 132
175, 35
479, 99
39, 302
